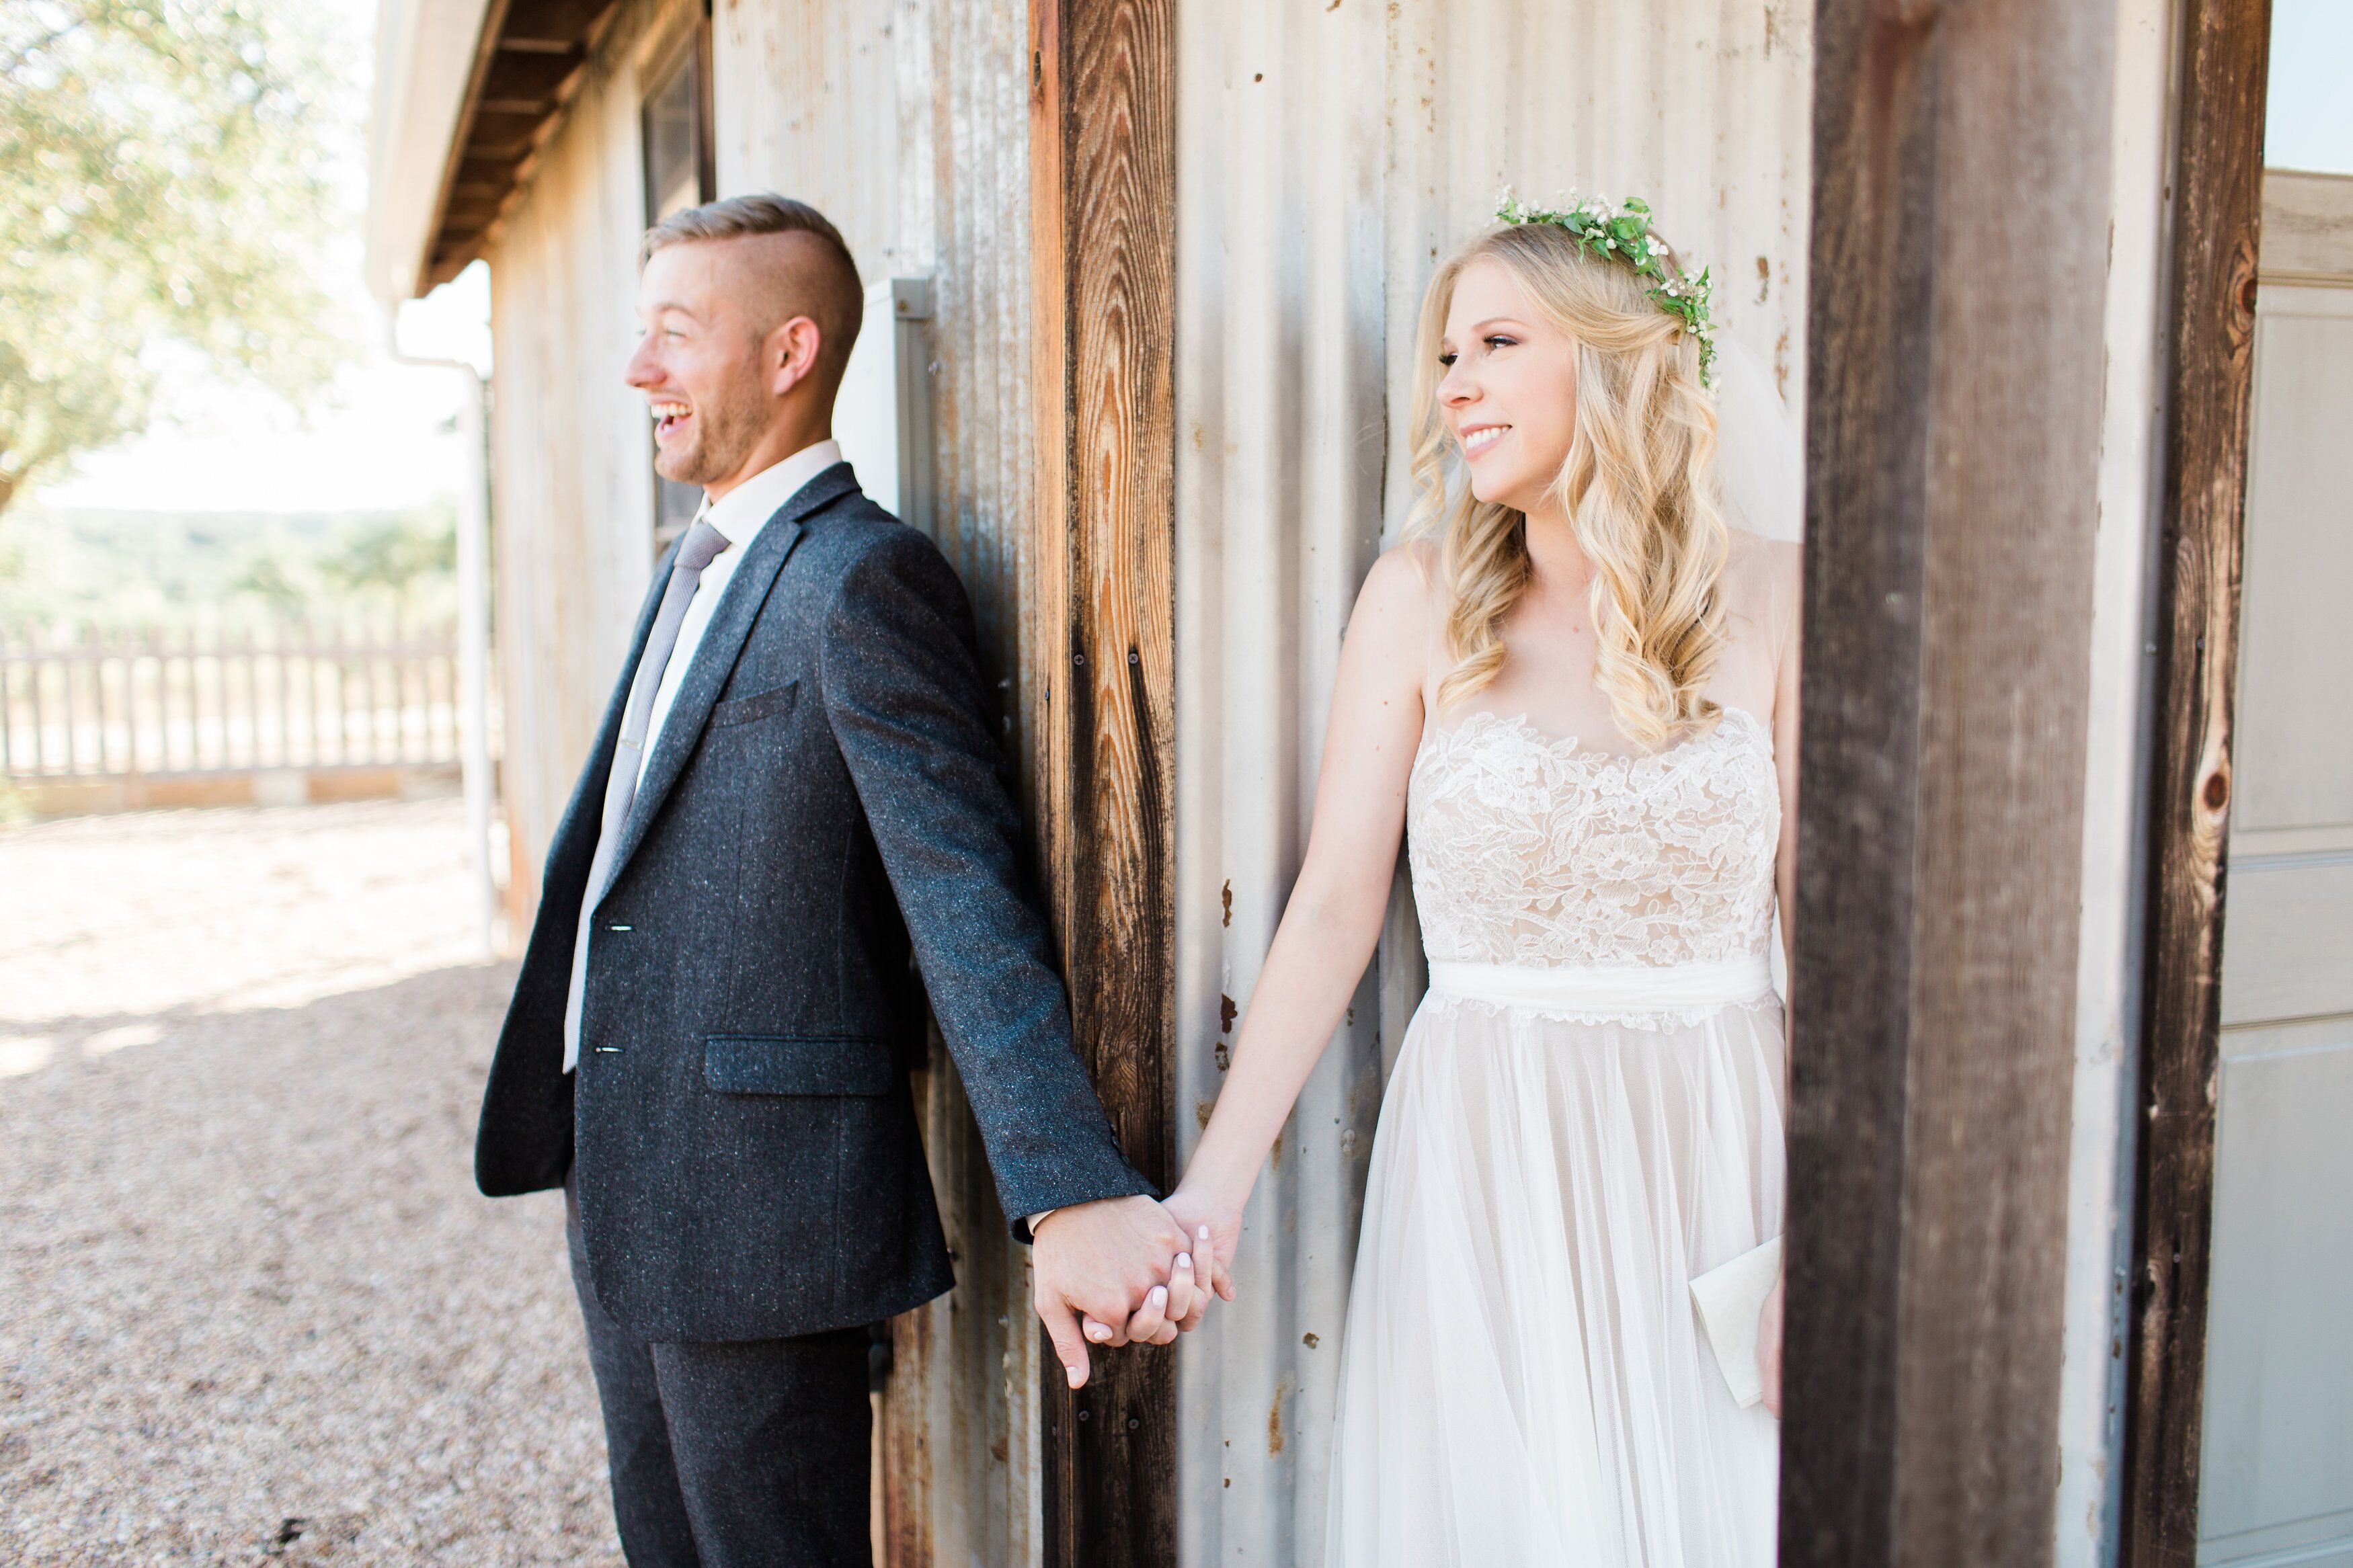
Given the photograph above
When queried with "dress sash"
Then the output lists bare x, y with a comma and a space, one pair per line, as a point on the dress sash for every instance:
1628, 988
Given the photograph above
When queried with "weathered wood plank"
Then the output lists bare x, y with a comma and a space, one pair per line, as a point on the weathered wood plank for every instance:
2217, 220
1102, 173
1955, 361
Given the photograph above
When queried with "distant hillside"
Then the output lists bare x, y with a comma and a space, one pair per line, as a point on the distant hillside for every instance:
116, 569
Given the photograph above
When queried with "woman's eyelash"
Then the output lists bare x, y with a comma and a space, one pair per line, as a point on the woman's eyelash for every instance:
1494, 341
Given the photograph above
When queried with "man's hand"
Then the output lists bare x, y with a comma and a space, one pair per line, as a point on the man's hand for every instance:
1099, 1261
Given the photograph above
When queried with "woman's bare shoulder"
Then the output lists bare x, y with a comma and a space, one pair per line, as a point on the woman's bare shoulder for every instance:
1402, 587
1392, 628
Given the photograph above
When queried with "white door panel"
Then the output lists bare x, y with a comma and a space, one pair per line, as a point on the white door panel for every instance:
2287, 938
2277, 1465
2279, 1368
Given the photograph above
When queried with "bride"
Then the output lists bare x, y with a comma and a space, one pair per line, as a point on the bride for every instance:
1574, 690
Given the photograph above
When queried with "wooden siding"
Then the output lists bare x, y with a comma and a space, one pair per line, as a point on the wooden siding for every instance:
1953, 422
2217, 184
1103, 178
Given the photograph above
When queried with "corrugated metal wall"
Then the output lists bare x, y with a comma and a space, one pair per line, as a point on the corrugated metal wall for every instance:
1327, 155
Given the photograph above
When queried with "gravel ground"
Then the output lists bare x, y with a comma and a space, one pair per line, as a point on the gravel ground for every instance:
250, 1305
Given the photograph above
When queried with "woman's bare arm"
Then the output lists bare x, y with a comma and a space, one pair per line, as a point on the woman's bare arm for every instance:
1333, 921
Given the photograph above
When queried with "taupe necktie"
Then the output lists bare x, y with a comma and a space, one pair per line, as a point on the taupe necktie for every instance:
700, 548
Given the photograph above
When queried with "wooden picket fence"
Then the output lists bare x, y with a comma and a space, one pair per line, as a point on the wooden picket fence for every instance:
81, 705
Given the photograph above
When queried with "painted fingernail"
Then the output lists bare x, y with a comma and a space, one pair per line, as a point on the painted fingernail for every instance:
1160, 1295
1203, 1234
1075, 1375
1097, 1332
1184, 1260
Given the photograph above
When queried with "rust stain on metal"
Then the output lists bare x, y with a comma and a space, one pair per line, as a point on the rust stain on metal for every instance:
1274, 1418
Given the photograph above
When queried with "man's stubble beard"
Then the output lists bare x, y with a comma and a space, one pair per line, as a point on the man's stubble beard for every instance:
730, 429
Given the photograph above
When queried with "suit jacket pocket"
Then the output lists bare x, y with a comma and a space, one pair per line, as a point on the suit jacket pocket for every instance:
798, 1064
759, 705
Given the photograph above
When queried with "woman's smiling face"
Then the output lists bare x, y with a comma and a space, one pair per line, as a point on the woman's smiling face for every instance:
1509, 392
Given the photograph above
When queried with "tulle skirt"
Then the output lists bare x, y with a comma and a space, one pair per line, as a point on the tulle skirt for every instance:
1524, 1380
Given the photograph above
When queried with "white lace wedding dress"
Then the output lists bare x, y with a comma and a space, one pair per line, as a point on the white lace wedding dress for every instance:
1586, 1114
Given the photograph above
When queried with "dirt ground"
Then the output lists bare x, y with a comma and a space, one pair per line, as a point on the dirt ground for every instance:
250, 1305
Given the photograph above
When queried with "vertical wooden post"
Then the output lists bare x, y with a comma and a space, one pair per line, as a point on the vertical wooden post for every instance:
1102, 259
1961, 185
2218, 214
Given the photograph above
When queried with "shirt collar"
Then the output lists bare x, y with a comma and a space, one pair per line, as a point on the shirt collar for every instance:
742, 512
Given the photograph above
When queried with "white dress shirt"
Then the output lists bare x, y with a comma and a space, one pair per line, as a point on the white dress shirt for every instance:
739, 515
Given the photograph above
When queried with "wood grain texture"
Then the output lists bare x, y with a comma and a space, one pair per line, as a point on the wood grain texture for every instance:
1102, 182
2218, 192
1954, 397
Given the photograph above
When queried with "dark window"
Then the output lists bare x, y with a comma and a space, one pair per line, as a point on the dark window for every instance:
681, 172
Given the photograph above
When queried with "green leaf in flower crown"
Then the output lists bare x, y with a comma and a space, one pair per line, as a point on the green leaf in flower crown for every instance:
1596, 230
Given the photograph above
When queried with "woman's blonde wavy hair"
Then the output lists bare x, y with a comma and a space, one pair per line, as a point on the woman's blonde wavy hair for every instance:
1639, 488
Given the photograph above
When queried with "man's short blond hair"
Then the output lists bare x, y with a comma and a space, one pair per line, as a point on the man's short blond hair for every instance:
838, 294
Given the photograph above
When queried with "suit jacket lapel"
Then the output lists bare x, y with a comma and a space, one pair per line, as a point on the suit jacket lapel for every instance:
581, 813
714, 657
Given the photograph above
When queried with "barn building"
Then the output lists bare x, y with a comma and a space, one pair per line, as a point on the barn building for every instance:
1141, 281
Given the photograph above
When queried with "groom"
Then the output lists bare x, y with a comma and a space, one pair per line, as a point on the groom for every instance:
794, 824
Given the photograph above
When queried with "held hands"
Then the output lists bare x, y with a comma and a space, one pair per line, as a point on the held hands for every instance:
1205, 1270
1128, 1270
1107, 1263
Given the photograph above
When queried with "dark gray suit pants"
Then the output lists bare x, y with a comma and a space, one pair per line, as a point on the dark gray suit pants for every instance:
750, 1454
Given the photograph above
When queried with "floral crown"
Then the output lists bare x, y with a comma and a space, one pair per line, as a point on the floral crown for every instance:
1624, 233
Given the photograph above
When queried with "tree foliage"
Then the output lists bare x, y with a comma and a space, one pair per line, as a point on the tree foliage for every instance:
166, 195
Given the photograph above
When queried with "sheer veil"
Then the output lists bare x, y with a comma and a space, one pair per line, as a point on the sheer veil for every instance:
1759, 462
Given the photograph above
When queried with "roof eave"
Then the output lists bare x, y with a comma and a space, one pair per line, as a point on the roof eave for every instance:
429, 57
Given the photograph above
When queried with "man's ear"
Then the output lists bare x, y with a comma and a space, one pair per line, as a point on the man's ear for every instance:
792, 352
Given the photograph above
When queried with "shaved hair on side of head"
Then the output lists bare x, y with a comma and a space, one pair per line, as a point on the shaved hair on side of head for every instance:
799, 267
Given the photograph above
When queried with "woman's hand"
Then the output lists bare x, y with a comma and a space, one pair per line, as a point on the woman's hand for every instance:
1768, 1349
1215, 1229
1203, 1270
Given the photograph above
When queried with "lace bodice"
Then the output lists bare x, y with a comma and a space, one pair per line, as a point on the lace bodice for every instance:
1531, 851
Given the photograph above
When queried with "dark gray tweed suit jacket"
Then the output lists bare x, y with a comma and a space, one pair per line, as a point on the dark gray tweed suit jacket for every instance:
827, 786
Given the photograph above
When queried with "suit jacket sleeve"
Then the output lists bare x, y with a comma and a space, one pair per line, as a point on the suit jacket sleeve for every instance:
901, 677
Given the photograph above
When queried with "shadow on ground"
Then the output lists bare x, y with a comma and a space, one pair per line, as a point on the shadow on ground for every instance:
252, 1308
